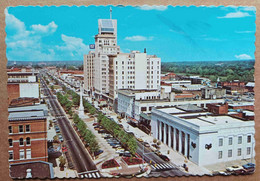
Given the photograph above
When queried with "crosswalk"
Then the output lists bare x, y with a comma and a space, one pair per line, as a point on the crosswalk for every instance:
162, 166
94, 174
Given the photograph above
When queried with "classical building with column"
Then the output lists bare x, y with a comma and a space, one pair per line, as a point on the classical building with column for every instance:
202, 137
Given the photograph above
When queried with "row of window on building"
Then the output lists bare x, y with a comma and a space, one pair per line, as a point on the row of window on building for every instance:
230, 152
21, 142
21, 129
230, 140
21, 154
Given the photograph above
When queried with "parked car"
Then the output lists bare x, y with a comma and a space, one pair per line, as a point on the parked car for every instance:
239, 172
61, 138
250, 170
233, 168
108, 137
164, 157
140, 139
95, 124
156, 146
120, 150
98, 152
146, 144
248, 165
157, 152
116, 146
126, 154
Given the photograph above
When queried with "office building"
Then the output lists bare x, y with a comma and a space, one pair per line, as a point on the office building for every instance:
199, 135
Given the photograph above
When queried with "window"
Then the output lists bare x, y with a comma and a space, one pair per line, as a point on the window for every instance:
239, 140
27, 128
230, 140
239, 152
28, 141
11, 155
21, 154
10, 129
10, 142
143, 108
248, 150
220, 154
28, 154
249, 139
220, 142
21, 141
20, 128
229, 153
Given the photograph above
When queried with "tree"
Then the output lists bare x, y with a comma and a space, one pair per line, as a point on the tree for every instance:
62, 161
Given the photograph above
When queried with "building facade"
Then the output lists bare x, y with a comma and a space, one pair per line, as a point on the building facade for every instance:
27, 134
200, 137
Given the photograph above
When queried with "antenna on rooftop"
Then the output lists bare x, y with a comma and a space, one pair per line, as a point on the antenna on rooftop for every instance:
110, 12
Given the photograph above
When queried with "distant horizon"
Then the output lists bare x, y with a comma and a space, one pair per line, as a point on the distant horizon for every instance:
162, 61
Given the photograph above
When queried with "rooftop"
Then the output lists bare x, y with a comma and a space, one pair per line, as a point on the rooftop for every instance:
27, 112
131, 92
39, 169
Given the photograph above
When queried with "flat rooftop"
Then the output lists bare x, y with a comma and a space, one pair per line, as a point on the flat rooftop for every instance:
242, 104
28, 112
132, 91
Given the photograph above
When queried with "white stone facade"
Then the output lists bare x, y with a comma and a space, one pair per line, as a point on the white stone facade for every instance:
205, 140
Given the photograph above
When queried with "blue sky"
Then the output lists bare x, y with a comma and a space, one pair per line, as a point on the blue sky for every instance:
172, 33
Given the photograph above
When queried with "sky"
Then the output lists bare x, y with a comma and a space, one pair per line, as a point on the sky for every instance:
172, 33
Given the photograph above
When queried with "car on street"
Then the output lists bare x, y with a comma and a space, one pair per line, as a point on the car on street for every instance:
239, 172
98, 152
146, 144
139, 139
164, 157
248, 165
156, 146
126, 154
108, 137
233, 168
116, 146
157, 152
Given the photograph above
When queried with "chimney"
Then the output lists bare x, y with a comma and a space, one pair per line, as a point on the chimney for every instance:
28, 174
144, 50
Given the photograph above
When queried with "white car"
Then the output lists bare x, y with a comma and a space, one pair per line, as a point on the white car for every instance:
233, 168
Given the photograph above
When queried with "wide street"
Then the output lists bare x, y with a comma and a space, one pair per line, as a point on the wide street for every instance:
159, 167
81, 159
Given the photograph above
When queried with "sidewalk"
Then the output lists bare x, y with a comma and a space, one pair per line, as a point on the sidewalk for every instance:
67, 173
175, 157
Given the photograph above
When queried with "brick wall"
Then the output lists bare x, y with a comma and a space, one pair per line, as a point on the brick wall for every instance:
38, 143
13, 91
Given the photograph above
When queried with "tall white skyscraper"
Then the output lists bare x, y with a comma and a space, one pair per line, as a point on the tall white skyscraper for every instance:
107, 70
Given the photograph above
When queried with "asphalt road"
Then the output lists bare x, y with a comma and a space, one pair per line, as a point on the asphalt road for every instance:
81, 159
148, 156
151, 157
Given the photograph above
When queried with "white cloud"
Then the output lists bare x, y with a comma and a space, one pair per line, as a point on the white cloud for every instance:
248, 8
73, 46
26, 44
238, 14
139, 38
154, 7
45, 29
243, 57
244, 31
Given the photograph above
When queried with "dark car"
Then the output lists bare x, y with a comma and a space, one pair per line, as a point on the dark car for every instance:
102, 131
146, 144
108, 137
126, 154
98, 152
95, 124
248, 165
239, 172
156, 146
164, 157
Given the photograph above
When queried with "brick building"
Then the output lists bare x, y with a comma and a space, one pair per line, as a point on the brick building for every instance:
218, 108
27, 134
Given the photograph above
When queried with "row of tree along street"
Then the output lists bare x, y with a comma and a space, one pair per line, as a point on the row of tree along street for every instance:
127, 140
